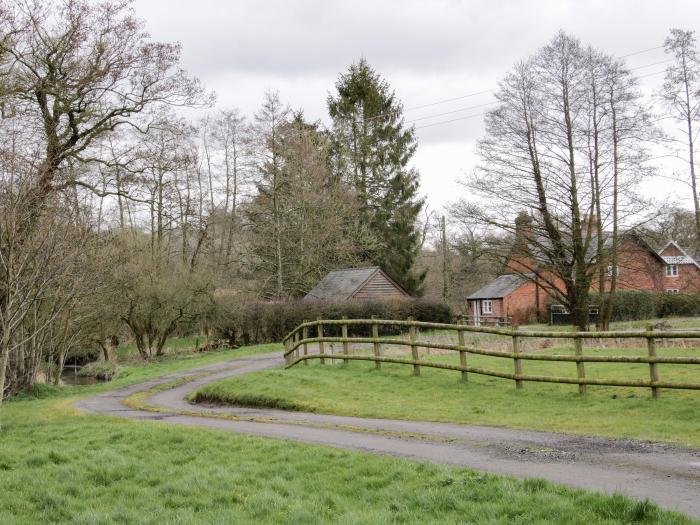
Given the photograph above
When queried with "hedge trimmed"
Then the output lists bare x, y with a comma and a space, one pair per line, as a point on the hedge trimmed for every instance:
260, 322
636, 305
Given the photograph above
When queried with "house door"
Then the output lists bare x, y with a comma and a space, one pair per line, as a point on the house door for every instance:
477, 313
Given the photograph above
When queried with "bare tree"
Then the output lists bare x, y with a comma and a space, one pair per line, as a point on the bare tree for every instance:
73, 72
304, 219
232, 135
270, 183
549, 152
681, 92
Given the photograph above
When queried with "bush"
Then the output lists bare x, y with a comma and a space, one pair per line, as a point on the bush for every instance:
259, 322
103, 370
636, 305
678, 304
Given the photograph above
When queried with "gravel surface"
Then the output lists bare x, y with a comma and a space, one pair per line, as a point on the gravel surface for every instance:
667, 475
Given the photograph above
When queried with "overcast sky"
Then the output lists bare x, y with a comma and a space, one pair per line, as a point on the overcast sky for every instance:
429, 51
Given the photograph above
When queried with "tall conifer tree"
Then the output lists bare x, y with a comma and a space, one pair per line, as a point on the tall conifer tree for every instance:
372, 149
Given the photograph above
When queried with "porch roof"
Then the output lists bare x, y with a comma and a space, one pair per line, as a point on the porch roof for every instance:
500, 287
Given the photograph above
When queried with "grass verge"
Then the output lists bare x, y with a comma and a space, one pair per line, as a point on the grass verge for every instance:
58, 466
143, 371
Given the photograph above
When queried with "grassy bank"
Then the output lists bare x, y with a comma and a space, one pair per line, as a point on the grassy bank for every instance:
392, 392
137, 371
58, 466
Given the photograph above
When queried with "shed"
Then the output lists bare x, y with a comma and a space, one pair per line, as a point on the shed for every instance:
358, 284
507, 296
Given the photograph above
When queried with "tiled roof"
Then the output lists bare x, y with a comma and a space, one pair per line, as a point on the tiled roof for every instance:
339, 285
499, 287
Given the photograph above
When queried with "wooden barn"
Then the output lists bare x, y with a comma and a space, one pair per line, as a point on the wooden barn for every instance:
357, 284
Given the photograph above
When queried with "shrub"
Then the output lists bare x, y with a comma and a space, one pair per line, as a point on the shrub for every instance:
680, 304
636, 305
103, 370
258, 322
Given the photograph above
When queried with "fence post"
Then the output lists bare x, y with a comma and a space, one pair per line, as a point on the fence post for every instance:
517, 363
580, 369
305, 335
462, 354
344, 335
377, 346
321, 348
296, 344
414, 347
653, 367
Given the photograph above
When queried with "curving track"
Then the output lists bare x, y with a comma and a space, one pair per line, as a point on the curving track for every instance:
668, 475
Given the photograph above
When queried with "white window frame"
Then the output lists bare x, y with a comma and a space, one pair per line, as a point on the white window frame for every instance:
613, 270
671, 270
672, 290
487, 306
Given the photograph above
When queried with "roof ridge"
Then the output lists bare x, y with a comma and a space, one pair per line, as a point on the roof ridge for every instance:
356, 268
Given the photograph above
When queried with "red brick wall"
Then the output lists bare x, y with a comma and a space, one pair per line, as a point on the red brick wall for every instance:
687, 280
497, 306
637, 269
671, 251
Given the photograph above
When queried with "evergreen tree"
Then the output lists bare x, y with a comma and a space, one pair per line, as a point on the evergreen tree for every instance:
301, 221
372, 149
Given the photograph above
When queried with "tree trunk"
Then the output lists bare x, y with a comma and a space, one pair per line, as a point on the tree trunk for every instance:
579, 307
607, 314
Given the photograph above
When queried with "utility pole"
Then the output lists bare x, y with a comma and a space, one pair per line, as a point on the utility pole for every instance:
445, 265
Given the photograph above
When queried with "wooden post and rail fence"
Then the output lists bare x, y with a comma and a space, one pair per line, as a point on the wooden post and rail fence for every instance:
296, 350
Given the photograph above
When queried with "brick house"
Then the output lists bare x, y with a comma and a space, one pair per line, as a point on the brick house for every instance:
518, 295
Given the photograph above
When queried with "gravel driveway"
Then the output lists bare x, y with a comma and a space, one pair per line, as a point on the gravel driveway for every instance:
668, 475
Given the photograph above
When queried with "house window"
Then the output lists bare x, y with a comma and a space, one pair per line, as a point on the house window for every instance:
486, 306
613, 270
671, 270
672, 290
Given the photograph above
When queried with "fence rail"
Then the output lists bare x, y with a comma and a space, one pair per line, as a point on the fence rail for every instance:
297, 343
474, 320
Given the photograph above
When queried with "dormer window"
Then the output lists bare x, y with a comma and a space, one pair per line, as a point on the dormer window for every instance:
671, 270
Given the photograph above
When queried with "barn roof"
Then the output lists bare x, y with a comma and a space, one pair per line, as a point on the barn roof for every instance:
500, 287
340, 285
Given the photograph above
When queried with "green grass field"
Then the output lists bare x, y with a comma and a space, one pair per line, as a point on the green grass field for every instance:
438, 395
58, 466
61, 466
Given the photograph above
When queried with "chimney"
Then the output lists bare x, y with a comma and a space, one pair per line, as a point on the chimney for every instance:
590, 225
523, 226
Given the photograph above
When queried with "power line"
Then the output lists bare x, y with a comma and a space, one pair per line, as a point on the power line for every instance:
451, 112
444, 101
642, 51
483, 92
451, 120
451, 99
652, 74
437, 102
491, 103
653, 64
